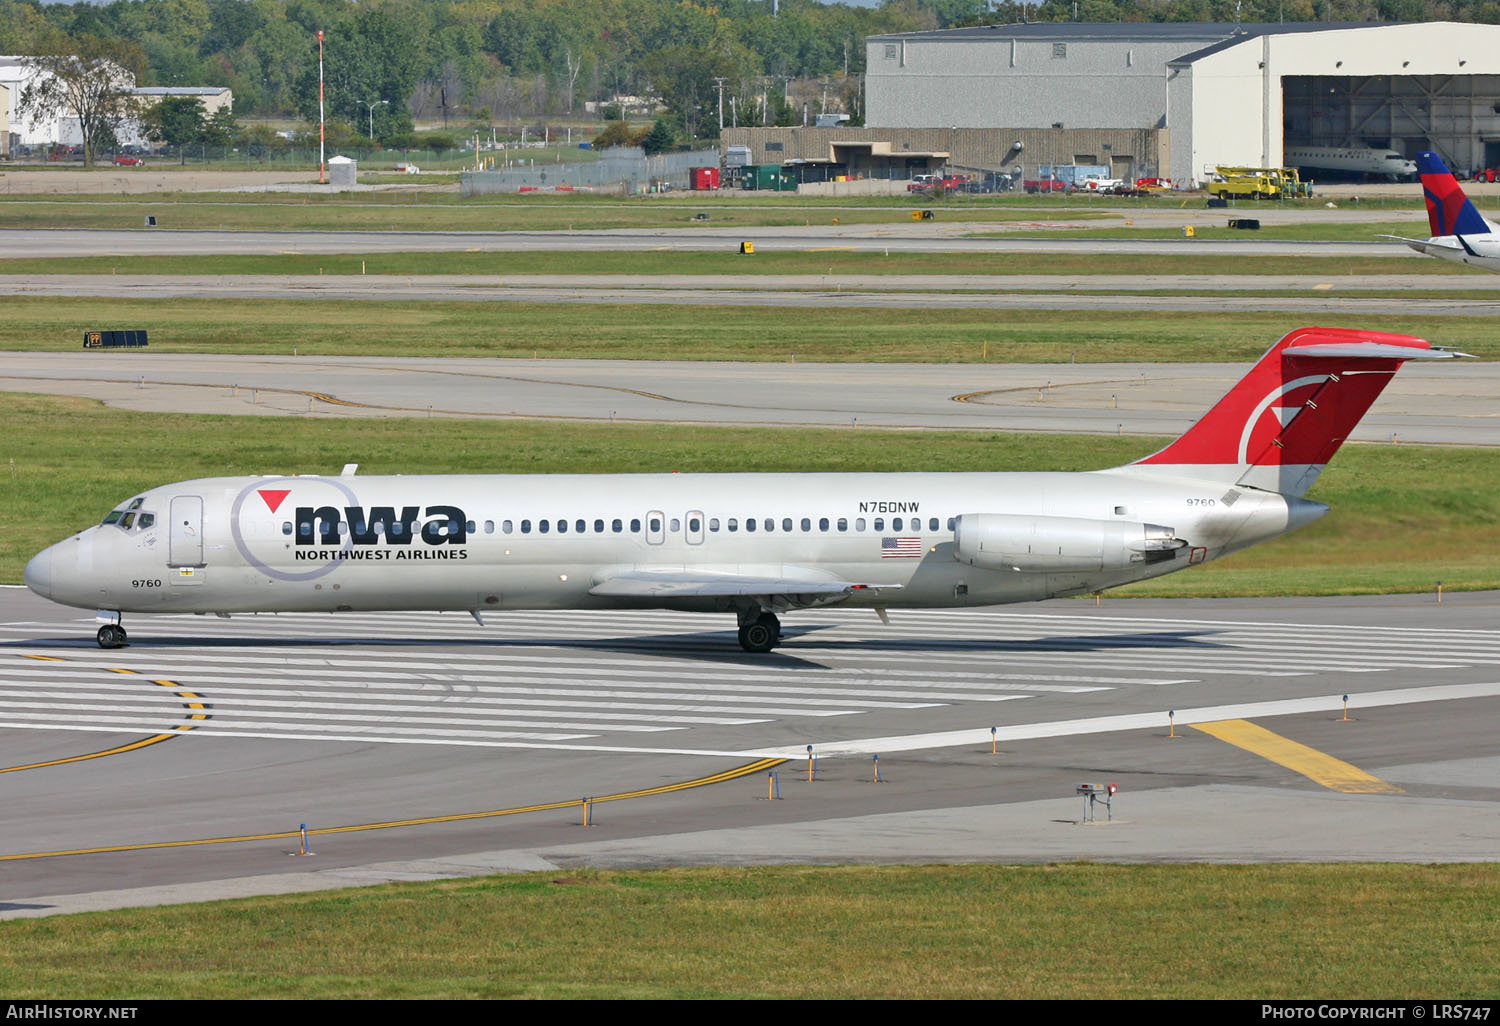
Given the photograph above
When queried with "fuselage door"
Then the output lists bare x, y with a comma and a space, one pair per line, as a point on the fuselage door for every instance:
692, 523
656, 527
185, 540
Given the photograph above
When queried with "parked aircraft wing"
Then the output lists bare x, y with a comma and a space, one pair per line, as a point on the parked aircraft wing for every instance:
1427, 247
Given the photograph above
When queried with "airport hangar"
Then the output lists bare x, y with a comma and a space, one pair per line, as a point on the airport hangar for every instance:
1172, 99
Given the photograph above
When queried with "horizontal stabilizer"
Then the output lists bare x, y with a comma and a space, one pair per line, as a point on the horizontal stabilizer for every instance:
1371, 351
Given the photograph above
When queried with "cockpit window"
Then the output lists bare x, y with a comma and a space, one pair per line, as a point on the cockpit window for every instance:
136, 503
146, 521
113, 517
127, 521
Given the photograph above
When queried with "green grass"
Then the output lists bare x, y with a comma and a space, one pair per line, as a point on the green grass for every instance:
1212, 225
832, 260
1071, 931
436, 211
77, 459
645, 332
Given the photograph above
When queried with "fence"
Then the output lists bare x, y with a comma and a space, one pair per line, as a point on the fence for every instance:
622, 169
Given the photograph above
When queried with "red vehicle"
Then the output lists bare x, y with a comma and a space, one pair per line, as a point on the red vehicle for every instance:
127, 161
931, 183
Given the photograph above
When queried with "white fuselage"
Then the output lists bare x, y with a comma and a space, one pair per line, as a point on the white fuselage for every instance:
1482, 251
1350, 159
478, 543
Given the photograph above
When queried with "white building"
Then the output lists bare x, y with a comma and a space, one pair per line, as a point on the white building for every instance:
37, 130
1217, 93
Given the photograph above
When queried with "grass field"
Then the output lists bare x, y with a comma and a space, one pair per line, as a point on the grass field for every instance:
729, 262
647, 332
989, 932
77, 459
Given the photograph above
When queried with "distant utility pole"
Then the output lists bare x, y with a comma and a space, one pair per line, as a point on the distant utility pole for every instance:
720, 83
322, 124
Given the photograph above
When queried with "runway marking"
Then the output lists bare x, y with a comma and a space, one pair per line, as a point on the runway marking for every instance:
981, 737
757, 766
178, 728
119, 750
1319, 767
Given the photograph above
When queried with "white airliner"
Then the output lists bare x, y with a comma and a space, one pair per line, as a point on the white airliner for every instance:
754, 545
1459, 232
1359, 160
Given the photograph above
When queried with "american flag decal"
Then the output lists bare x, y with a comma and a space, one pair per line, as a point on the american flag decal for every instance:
900, 548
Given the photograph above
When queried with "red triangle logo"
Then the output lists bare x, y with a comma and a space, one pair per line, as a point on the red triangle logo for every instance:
273, 496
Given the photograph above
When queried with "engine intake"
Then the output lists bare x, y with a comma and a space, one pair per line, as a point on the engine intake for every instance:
1003, 541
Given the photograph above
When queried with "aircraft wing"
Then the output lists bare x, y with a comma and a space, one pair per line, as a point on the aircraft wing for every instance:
1426, 246
683, 584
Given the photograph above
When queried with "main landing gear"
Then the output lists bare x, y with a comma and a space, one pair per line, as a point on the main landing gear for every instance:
761, 633
112, 635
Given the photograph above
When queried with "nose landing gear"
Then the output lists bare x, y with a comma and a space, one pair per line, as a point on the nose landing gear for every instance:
111, 635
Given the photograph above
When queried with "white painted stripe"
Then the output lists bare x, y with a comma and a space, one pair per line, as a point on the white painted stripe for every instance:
1133, 721
214, 684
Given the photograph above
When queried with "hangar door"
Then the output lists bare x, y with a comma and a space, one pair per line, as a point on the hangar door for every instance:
1458, 116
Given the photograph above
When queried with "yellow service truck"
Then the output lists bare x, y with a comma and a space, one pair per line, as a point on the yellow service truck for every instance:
1259, 183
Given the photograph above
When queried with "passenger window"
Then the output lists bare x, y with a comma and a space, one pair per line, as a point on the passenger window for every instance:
286, 527
713, 523
675, 526
859, 523
843, 524
580, 526
489, 526
950, 523
635, 526
526, 527
823, 524
507, 526
562, 526
655, 525
769, 524
305, 529
598, 527
732, 524
397, 527
749, 523
616, 526
542, 526
880, 523
932, 524
806, 524
695, 525
896, 524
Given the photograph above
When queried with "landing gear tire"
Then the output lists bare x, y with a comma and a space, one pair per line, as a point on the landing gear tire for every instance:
760, 635
112, 635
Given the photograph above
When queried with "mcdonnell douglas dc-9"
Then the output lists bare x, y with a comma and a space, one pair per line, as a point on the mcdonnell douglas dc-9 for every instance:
1459, 231
754, 545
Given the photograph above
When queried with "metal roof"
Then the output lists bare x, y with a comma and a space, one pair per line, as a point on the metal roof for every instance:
1123, 31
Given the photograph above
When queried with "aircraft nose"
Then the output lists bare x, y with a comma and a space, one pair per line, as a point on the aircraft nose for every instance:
39, 573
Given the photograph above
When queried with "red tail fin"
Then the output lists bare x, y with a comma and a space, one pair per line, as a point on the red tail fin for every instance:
1286, 418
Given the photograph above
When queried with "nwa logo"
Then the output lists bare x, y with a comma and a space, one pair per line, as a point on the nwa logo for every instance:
434, 525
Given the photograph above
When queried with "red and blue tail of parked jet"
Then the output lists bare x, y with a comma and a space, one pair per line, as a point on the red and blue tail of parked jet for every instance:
1459, 232
1449, 211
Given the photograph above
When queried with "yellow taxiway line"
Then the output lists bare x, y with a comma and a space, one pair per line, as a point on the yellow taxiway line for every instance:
757, 766
1319, 767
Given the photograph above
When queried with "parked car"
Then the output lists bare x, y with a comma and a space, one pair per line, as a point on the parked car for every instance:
125, 160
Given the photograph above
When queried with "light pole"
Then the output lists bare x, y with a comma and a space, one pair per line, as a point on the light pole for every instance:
372, 107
